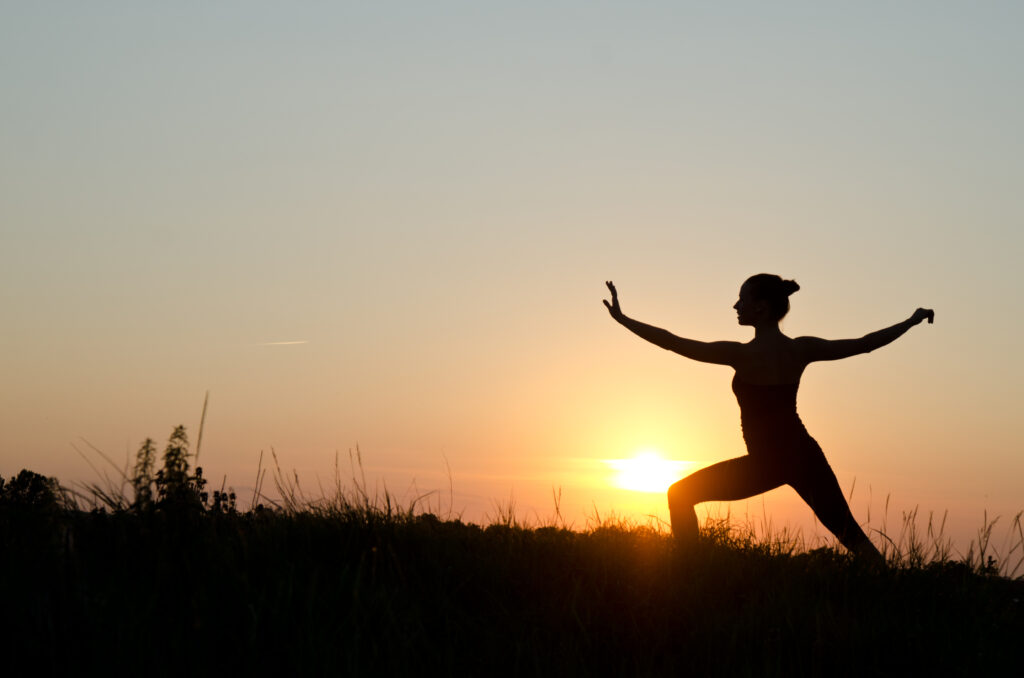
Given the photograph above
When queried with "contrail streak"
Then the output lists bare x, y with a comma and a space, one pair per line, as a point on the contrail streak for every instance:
284, 343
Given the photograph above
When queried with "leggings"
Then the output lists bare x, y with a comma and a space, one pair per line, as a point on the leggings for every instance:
807, 472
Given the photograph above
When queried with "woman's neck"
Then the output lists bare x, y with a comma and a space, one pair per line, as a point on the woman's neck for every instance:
768, 330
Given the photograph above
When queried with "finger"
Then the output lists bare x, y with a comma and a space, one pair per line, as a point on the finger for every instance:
931, 317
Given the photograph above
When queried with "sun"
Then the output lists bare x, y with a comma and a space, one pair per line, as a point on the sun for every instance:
647, 471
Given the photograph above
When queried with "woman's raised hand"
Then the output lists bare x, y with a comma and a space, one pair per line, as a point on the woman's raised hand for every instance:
922, 314
613, 307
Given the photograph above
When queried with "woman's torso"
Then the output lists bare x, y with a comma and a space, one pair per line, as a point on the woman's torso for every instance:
765, 384
770, 361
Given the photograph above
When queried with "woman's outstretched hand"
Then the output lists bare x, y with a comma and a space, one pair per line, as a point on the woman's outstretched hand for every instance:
922, 314
613, 307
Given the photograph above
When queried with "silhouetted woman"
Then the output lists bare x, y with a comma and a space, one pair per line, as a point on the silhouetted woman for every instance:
779, 449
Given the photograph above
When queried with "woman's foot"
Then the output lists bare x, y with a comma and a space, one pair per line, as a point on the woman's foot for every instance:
867, 553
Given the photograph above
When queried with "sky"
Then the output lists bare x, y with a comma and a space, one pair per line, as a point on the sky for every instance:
387, 226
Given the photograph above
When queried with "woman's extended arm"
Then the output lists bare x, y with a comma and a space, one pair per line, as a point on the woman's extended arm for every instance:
718, 352
815, 349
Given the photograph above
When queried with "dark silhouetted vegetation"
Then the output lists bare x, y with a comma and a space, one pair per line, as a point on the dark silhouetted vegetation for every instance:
171, 580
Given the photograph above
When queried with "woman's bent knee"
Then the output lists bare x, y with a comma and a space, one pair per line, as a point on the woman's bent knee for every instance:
679, 494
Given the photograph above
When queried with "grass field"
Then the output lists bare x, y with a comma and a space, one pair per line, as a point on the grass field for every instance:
352, 585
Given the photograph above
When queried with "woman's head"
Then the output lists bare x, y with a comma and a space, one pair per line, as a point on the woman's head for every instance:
764, 295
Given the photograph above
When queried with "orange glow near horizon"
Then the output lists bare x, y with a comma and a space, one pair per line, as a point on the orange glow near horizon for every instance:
647, 471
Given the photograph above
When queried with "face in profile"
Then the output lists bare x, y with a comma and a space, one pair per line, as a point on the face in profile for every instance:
748, 310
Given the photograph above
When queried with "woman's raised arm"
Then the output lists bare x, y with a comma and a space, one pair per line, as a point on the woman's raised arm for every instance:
814, 349
717, 352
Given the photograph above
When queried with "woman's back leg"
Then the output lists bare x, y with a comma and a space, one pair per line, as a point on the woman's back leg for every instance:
818, 486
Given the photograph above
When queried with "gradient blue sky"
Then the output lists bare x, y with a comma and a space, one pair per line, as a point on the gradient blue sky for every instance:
431, 196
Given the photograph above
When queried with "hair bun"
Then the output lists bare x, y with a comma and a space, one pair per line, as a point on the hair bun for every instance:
789, 286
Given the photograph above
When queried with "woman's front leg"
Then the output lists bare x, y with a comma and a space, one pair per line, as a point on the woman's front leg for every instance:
728, 480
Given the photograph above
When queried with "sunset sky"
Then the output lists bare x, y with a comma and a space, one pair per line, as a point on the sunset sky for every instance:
388, 224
